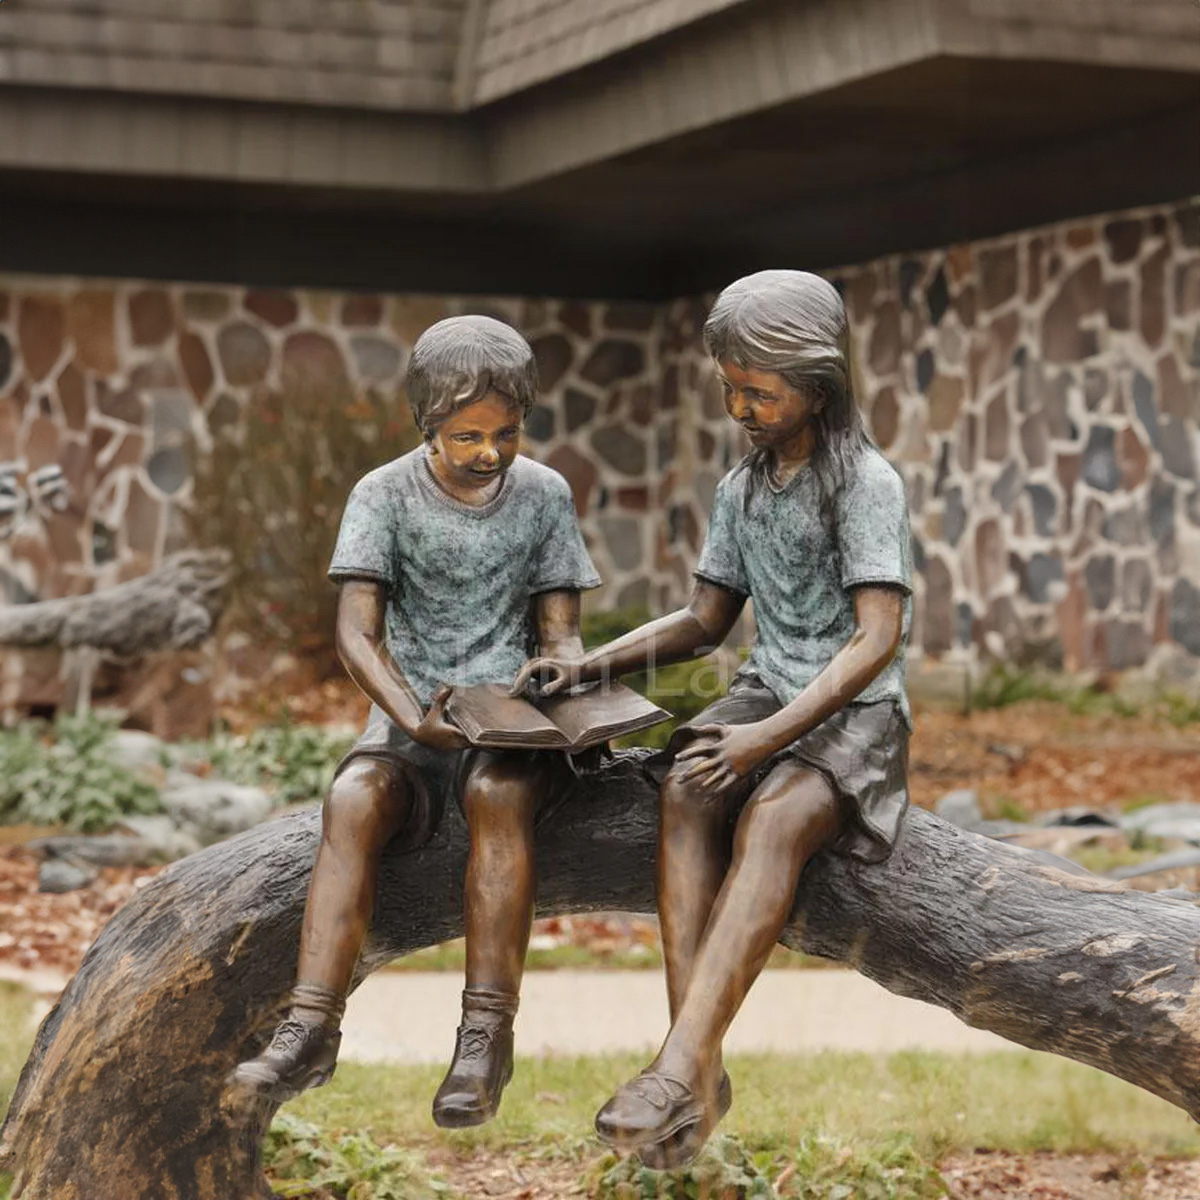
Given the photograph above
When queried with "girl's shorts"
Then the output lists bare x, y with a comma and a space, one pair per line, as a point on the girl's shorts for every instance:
861, 750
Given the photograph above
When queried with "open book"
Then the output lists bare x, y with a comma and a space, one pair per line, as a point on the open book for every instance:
574, 720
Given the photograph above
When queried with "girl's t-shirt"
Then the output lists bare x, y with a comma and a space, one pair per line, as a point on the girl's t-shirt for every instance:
459, 578
799, 569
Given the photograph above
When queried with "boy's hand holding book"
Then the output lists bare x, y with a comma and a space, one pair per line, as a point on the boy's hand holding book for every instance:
435, 730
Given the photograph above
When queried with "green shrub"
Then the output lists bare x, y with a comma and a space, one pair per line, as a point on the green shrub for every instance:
294, 762
303, 1162
683, 689
820, 1168
1181, 709
64, 775
1005, 684
725, 1170
1005, 808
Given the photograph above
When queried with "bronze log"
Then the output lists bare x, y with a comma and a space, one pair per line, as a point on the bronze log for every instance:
120, 1099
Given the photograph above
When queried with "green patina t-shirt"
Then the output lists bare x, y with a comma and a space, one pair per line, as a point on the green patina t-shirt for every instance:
800, 570
459, 578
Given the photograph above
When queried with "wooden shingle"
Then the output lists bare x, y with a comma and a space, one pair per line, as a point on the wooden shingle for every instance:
525, 42
388, 54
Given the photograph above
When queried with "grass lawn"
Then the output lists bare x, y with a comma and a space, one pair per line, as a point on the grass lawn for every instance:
945, 1103
16, 1036
875, 1125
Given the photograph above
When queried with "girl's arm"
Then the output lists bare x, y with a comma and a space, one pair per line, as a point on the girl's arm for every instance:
697, 629
729, 752
363, 651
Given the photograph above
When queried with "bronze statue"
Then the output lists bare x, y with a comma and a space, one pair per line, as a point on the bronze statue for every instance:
809, 748
451, 560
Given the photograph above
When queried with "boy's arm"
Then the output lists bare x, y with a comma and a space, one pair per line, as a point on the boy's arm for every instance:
556, 616
687, 633
729, 752
363, 651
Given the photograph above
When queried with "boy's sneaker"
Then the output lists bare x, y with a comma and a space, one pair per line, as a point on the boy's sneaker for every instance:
482, 1063
303, 1050
301, 1055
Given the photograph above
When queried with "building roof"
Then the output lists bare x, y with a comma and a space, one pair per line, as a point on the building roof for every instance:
576, 146
389, 54
521, 43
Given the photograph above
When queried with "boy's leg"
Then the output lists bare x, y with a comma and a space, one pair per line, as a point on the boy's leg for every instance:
790, 816
500, 799
365, 808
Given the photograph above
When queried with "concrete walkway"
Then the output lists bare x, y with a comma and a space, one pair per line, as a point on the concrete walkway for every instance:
411, 1017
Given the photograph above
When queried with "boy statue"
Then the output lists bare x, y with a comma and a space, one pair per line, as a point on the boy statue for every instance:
452, 560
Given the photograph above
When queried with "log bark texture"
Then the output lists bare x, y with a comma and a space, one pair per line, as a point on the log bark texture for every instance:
173, 607
121, 1097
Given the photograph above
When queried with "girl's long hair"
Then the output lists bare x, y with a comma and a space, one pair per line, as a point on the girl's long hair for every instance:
794, 324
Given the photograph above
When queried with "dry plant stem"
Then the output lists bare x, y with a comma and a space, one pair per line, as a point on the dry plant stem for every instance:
120, 1099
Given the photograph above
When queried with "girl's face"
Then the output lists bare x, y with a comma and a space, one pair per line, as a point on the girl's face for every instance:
774, 414
475, 445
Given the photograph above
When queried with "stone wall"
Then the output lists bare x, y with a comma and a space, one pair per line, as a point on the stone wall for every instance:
1038, 392
113, 381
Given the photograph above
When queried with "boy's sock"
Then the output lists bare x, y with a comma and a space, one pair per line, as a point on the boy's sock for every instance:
316, 1004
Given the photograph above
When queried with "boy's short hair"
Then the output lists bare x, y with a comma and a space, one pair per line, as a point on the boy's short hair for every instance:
459, 360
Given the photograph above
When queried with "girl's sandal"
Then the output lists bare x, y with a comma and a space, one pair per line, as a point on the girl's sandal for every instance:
659, 1115
681, 1147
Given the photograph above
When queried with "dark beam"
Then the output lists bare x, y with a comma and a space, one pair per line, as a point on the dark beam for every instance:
620, 243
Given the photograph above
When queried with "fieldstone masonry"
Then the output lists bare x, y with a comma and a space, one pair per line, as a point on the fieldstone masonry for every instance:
1038, 393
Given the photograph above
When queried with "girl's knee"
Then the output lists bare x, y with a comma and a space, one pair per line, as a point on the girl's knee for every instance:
801, 810
680, 801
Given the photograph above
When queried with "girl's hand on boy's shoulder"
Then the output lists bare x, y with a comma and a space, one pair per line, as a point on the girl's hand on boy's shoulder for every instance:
435, 730
549, 675
723, 754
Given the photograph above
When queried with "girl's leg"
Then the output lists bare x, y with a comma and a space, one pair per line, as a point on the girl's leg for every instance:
500, 800
693, 857
790, 816
366, 807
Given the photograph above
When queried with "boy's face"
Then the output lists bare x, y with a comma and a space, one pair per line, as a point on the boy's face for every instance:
773, 413
475, 445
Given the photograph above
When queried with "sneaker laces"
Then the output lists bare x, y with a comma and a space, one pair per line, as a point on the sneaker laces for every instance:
474, 1041
290, 1033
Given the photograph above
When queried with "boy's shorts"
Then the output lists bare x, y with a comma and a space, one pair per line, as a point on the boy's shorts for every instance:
862, 750
433, 775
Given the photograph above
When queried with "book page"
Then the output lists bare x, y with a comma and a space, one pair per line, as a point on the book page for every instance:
596, 713
489, 716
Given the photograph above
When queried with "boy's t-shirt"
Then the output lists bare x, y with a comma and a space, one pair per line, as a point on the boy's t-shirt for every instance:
459, 578
799, 570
